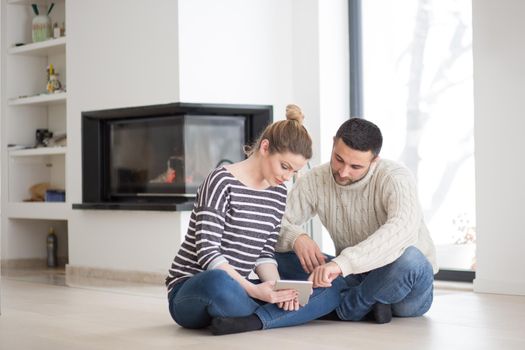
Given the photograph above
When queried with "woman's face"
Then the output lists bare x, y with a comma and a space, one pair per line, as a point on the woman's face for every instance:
280, 167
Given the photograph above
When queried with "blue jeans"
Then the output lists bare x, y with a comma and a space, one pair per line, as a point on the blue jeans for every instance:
213, 293
406, 284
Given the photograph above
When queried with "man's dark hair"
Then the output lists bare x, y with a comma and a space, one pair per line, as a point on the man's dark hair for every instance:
361, 135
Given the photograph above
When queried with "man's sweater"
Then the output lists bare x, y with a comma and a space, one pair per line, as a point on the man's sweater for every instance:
371, 221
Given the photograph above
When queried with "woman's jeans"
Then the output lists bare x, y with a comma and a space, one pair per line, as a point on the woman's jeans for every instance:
406, 284
213, 293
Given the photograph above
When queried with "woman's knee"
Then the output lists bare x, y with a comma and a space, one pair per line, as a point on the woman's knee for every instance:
219, 286
190, 308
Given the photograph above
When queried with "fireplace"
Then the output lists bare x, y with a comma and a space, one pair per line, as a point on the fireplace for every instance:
155, 157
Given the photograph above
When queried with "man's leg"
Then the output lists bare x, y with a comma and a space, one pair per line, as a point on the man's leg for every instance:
406, 284
290, 267
209, 294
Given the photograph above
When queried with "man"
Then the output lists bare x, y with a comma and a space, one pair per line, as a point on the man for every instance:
370, 208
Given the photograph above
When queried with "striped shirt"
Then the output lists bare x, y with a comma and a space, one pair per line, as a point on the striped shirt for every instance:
229, 223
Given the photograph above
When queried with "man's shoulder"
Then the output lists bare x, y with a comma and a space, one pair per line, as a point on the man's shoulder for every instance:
387, 167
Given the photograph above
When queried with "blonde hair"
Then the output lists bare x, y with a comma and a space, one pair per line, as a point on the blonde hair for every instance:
286, 135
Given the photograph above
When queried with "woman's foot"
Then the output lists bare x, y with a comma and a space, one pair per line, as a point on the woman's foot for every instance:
231, 325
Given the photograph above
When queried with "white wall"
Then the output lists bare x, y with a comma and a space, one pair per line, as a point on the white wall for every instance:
236, 51
499, 75
3, 156
232, 51
120, 53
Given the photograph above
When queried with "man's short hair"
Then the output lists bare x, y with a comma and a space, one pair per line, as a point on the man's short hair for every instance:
361, 135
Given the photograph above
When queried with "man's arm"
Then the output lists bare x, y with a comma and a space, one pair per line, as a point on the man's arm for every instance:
301, 206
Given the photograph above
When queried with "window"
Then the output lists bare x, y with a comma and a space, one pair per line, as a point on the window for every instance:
417, 85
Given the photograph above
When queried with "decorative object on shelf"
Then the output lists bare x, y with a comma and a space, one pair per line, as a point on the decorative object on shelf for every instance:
38, 192
41, 25
56, 31
55, 196
42, 137
58, 140
52, 245
53, 84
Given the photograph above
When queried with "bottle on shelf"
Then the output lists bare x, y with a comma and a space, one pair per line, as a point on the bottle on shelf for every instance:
52, 245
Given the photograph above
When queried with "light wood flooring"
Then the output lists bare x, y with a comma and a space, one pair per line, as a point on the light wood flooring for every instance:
40, 312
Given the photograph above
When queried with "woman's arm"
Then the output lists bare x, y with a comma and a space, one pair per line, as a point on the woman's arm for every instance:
267, 272
263, 291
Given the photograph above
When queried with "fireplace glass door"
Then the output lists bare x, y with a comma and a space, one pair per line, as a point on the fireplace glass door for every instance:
172, 155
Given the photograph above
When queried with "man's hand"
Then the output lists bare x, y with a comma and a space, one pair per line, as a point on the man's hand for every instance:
324, 275
308, 253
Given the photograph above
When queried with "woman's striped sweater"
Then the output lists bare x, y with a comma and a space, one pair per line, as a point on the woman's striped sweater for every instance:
229, 223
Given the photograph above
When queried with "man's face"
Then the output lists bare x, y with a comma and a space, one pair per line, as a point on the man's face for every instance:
349, 165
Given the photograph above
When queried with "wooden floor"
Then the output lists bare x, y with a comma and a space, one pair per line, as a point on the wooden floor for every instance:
40, 312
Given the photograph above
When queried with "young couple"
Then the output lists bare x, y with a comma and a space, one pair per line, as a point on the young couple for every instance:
385, 257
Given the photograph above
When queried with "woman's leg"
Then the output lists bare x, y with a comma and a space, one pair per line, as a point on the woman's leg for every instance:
209, 294
322, 301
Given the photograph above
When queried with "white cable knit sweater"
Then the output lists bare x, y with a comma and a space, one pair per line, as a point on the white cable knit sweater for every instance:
371, 221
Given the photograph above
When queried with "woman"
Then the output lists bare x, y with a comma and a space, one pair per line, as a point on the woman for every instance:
233, 229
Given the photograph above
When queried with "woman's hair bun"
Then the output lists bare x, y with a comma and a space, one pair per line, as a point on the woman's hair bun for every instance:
293, 112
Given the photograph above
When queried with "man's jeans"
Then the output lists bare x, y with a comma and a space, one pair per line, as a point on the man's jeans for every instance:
214, 293
406, 284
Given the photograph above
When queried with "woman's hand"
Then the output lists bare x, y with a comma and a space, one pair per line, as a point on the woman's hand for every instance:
290, 305
265, 292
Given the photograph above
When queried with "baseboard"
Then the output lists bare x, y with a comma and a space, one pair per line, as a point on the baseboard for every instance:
80, 274
482, 285
28, 263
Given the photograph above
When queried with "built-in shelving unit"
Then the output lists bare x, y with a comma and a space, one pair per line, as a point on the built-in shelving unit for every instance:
39, 100
27, 106
38, 210
44, 48
25, 2
42, 151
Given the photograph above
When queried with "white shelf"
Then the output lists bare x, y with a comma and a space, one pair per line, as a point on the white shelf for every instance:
43, 151
25, 2
39, 100
43, 48
38, 210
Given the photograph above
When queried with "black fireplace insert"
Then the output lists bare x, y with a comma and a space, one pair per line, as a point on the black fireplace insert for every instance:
155, 157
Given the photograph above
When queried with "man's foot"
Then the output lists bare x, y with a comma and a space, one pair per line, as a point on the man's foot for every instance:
332, 316
230, 325
381, 313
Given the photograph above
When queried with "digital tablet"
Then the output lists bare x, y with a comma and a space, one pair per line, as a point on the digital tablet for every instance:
304, 288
